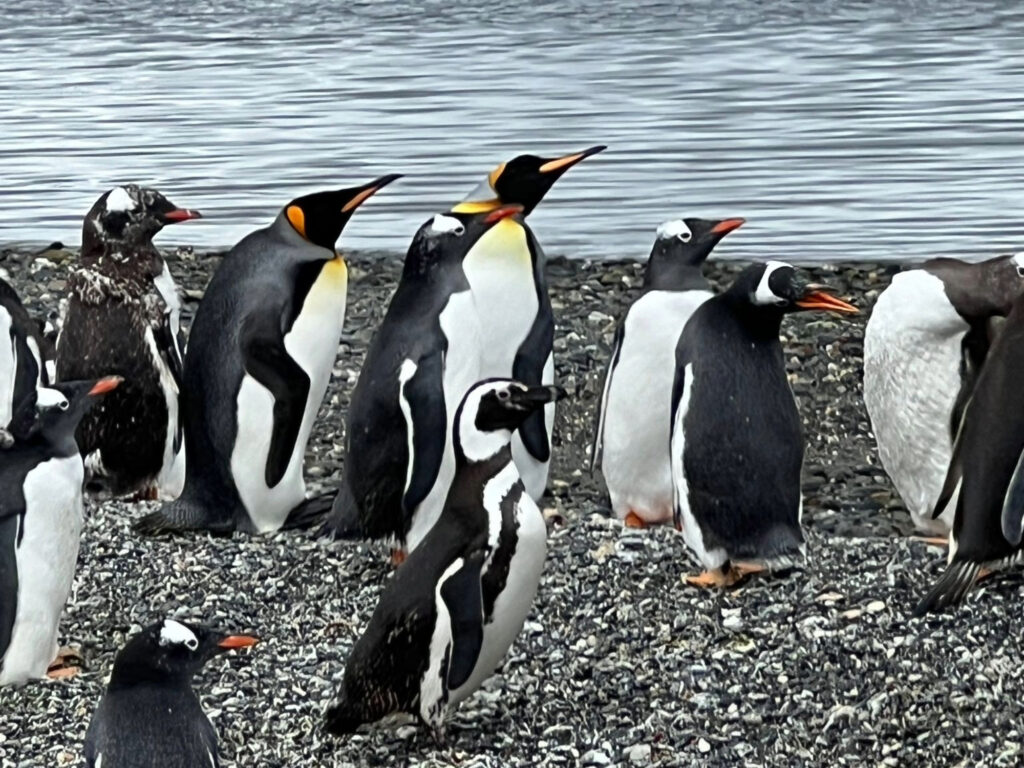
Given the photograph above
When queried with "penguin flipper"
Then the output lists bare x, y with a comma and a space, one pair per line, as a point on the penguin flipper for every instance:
463, 596
8, 580
167, 344
598, 444
423, 403
266, 360
528, 367
955, 472
1013, 505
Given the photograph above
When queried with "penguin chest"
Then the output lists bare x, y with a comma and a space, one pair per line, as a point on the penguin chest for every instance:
499, 269
45, 558
635, 433
8, 367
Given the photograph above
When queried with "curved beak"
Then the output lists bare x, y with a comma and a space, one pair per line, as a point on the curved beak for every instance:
562, 164
504, 212
725, 226
367, 191
816, 296
180, 214
238, 641
104, 385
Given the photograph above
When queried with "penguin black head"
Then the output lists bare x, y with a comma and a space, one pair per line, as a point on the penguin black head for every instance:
450, 236
321, 216
982, 290
523, 180
125, 219
170, 651
680, 247
494, 408
777, 286
57, 409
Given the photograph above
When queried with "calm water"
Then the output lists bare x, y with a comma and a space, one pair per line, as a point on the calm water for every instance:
841, 130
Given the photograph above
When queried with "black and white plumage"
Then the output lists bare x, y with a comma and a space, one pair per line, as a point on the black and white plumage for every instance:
260, 355
452, 610
987, 470
632, 435
737, 444
24, 353
40, 524
149, 715
505, 270
122, 318
423, 358
924, 345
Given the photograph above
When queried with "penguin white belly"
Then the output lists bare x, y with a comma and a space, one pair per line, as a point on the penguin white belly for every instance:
312, 342
912, 353
433, 696
638, 406
8, 368
461, 328
171, 478
46, 559
515, 601
692, 533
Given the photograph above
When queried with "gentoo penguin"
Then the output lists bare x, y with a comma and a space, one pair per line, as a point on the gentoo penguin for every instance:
632, 435
505, 270
737, 443
987, 468
260, 354
453, 608
924, 344
122, 318
149, 715
40, 524
23, 353
399, 456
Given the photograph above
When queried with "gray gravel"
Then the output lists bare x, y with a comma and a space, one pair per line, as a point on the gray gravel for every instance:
620, 664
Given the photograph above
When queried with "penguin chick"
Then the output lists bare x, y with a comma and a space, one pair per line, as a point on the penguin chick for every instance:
149, 715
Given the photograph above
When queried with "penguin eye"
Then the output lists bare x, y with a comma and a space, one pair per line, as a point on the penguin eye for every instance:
1020, 271
63, 405
504, 395
685, 236
192, 644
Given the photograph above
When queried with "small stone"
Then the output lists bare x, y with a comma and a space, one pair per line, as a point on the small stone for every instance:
875, 606
638, 753
703, 746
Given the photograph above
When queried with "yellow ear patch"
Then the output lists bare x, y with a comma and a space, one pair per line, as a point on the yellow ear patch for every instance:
297, 218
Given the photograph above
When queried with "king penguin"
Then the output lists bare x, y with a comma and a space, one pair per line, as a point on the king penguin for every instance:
122, 318
924, 345
149, 715
453, 609
737, 444
40, 524
260, 354
632, 435
23, 353
505, 270
399, 455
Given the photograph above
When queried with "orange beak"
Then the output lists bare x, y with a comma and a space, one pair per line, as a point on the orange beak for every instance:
181, 214
238, 641
727, 225
369, 191
504, 212
565, 163
104, 385
817, 298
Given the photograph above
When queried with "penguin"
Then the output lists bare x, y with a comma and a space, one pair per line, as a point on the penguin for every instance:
260, 354
40, 524
399, 456
452, 610
149, 714
24, 352
985, 478
505, 270
737, 444
632, 435
122, 318
924, 345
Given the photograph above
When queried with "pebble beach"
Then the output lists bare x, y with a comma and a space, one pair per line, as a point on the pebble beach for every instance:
620, 663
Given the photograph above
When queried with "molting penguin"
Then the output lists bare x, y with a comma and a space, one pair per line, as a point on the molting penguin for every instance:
737, 442
122, 318
149, 715
40, 525
987, 467
260, 355
425, 355
23, 353
632, 435
505, 270
925, 341
452, 610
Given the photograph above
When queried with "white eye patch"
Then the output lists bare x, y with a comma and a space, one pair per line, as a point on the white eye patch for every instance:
120, 200
764, 295
50, 398
173, 633
674, 228
446, 224
1018, 260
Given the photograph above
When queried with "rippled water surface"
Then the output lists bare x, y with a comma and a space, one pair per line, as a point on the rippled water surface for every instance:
841, 130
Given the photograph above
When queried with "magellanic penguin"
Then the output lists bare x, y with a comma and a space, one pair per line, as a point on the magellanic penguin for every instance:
149, 715
505, 270
632, 436
23, 353
40, 523
987, 468
737, 444
260, 354
122, 318
420, 363
452, 610
925, 341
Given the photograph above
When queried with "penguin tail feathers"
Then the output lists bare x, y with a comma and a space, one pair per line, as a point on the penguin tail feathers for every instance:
951, 588
309, 512
781, 548
342, 522
173, 517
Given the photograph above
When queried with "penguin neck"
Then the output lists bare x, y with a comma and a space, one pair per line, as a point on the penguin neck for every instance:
972, 289
130, 673
122, 260
762, 323
666, 274
477, 447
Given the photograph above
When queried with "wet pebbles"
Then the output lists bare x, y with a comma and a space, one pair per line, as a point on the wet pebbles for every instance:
620, 664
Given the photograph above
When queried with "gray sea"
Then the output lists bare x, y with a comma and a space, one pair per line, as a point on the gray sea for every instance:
840, 130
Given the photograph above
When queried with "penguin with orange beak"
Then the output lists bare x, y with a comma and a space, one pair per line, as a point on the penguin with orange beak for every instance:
737, 443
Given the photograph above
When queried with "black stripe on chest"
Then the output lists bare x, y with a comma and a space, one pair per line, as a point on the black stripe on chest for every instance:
496, 576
